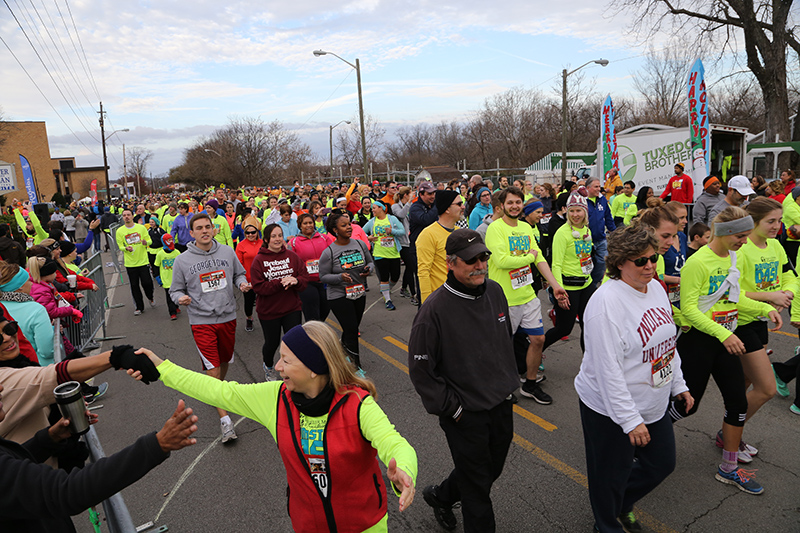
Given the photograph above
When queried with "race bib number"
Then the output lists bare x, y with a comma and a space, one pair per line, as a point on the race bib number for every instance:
661, 370
674, 293
312, 266
318, 474
213, 281
521, 277
387, 242
354, 292
727, 319
586, 263
132, 238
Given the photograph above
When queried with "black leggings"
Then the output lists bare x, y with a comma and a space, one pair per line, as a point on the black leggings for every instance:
272, 333
171, 307
137, 275
565, 318
411, 268
703, 356
249, 303
349, 313
388, 269
315, 301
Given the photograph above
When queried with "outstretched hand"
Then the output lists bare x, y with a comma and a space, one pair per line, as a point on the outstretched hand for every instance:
178, 429
124, 357
402, 482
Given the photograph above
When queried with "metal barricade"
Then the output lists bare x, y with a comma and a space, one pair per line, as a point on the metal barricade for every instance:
117, 516
93, 306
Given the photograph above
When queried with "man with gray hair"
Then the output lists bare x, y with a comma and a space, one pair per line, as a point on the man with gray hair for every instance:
600, 220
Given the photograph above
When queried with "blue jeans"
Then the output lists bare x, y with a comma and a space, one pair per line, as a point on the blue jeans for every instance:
599, 258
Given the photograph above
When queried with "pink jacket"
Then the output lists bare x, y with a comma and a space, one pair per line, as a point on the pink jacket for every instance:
45, 294
309, 249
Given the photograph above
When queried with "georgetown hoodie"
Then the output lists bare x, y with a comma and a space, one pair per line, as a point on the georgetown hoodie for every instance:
208, 278
266, 273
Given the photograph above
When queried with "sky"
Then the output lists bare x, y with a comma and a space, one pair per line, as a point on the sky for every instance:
174, 71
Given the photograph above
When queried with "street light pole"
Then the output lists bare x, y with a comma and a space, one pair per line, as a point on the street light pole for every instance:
105, 157
357, 68
331, 141
564, 75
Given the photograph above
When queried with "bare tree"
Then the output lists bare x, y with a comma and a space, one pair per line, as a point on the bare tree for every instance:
348, 141
737, 102
661, 84
765, 26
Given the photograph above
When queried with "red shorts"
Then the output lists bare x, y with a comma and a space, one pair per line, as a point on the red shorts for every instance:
215, 343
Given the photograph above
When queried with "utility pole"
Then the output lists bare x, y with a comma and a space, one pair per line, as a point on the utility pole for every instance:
125, 172
105, 157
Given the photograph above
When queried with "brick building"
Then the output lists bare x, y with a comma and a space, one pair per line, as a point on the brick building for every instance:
50, 174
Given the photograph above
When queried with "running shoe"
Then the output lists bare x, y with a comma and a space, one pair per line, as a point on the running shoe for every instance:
565, 338
152, 303
540, 378
360, 373
783, 388
390, 306
552, 315
414, 301
443, 513
742, 479
270, 374
248, 326
137, 312
405, 293
96, 393
541, 366
793, 408
173, 317
746, 452
523, 378
513, 399
228, 433
534, 390
629, 523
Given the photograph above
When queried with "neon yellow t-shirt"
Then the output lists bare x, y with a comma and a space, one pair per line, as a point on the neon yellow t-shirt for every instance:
164, 262
384, 247
514, 250
762, 270
137, 238
620, 205
571, 256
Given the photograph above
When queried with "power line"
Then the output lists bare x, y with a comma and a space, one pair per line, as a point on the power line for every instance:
74, 47
326, 100
45, 97
78, 35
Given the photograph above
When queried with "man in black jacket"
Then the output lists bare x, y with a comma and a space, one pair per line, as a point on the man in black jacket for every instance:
461, 362
35, 498
422, 214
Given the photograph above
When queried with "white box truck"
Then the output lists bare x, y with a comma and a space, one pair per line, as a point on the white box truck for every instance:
648, 154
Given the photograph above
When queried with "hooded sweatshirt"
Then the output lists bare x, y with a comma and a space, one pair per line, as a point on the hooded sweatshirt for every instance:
309, 249
208, 278
267, 271
703, 206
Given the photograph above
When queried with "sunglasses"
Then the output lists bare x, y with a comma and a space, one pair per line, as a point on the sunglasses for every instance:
251, 233
480, 257
10, 329
459, 204
642, 261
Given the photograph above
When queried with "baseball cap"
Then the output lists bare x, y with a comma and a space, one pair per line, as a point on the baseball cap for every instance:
466, 244
426, 186
741, 185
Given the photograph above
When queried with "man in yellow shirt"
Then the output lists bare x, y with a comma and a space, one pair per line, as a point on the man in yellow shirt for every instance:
133, 239
431, 256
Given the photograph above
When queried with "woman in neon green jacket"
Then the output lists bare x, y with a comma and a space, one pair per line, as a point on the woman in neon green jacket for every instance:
327, 426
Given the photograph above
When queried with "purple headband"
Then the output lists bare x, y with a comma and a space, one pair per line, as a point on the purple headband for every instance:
298, 341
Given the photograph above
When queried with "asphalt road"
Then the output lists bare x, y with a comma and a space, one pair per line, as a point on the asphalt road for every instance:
242, 487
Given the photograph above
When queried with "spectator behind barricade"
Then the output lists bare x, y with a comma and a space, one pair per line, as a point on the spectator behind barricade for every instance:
32, 317
69, 224
106, 221
10, 250
56, 248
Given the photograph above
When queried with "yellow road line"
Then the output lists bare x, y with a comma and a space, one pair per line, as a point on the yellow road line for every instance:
524, 413
793, 335
557, 464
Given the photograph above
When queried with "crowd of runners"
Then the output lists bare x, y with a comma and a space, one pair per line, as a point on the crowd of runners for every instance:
666, 293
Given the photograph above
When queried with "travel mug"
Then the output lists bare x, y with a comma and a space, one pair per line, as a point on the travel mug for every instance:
70, 401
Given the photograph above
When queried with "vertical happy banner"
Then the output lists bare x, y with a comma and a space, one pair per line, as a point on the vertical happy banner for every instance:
608, 134
93, 188
699, 127
27, 174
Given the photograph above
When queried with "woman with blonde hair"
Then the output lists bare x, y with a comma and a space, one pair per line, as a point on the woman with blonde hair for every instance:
711, 302
327, 426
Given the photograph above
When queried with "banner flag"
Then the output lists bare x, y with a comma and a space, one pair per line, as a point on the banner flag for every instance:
27, 174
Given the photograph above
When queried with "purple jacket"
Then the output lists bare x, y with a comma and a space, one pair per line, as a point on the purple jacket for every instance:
180, 229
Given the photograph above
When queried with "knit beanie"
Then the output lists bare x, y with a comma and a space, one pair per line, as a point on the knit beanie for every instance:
444, 199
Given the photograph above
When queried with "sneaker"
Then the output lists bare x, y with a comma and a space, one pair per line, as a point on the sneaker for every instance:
534, 390
443, 513
99, 391
523, 378
540, 378
565, 338
405, 293
513, 399
360, 373
744, 447
269, 373
137, 312
173, 317
783, 388
152, 303
414, 301
248, 325
179, 310
793, 408
390, 306
742, 479
552, 315
228, 433
629, 523
541, 367
746, 452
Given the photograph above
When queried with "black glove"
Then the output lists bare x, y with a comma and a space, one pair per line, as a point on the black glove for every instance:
125, 357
